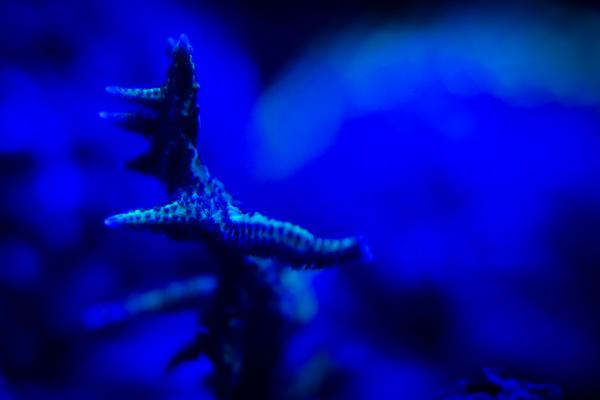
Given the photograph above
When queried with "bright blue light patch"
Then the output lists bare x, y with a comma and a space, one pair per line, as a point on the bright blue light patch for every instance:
306, 107
523, 62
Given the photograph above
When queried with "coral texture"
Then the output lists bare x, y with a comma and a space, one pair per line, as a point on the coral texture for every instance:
254, 298
201, 207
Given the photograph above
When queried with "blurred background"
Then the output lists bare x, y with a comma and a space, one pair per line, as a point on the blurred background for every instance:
462, 140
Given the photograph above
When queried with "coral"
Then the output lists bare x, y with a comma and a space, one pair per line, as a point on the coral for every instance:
496, 385
202, 208
255, 299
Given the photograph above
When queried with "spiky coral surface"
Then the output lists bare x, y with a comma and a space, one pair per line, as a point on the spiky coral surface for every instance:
201, 207
246, 322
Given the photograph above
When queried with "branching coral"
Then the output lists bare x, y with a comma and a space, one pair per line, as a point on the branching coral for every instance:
249, 317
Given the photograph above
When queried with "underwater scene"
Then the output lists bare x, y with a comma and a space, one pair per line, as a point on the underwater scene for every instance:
299, 200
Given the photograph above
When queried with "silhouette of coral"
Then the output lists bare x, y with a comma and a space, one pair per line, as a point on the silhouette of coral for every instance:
254, 298
202, 208
496, 385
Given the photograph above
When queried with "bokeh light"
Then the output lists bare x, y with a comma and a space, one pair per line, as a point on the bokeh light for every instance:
462, 144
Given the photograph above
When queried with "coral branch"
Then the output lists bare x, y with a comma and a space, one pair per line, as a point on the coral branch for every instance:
250, 309
204, 209
177, 293
148, 97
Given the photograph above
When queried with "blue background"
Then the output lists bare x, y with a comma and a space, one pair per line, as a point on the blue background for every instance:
463, 142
